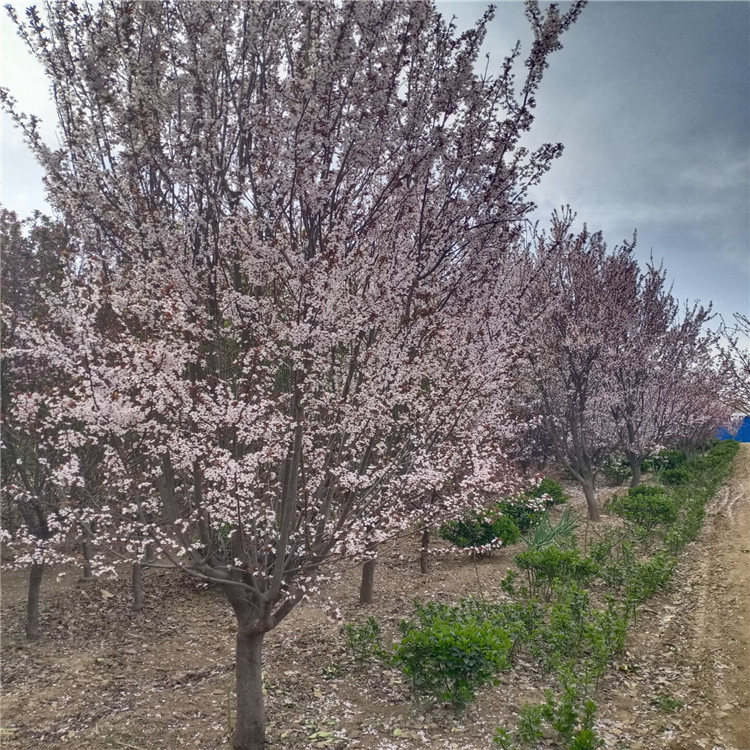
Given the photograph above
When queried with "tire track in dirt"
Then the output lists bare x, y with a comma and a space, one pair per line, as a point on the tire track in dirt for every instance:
693, 644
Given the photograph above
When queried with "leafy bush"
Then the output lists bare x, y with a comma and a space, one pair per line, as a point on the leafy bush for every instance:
646, 578
528, 509
552, 489
449, 652
668, 459
477, 529
364, 642
646, 506
524, 516
680, 475
569, 716
549, 564
616, 470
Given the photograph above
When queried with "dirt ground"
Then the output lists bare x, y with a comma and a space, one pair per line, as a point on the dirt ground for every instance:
105, 677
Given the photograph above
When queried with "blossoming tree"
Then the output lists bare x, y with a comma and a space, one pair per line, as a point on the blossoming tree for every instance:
284, 319
660, 349
578, 296
736, 357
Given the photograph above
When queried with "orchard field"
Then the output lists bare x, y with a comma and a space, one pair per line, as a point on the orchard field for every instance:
292, 354
103, 676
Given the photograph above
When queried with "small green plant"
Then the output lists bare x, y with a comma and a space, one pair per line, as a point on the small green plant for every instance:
447, 653
569, 715
479, 529
549, 564
648, 577
503, 739
530, 723
667, 703
364, 642
646, 505
561, 534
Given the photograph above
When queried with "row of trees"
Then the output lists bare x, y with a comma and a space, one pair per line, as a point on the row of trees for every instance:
611, 364
288, 310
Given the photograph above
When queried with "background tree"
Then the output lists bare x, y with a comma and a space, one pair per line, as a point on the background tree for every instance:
736, 359
286, 316
658, 349
30, 498
577, 301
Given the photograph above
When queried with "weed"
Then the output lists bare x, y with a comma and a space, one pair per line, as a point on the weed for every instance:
667, 703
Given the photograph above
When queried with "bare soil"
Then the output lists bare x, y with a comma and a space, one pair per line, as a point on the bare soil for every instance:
103, 676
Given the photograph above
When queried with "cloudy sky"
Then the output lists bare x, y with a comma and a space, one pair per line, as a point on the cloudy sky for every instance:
652, 102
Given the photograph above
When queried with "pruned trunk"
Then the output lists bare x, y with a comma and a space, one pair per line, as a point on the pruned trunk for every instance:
32, 602
590, 494
367, 586
249, 730
424, 551
635, 469
87, 575
137, 587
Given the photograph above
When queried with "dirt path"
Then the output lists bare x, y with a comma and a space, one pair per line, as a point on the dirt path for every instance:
693, 645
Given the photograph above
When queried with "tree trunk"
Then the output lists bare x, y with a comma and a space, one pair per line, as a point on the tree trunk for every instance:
424, 550
88, 552
137, 587
368, 582
635, 468
150, 554
32, 602
589, 492
250, 727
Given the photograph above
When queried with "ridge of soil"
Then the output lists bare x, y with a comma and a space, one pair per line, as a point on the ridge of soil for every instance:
105, 677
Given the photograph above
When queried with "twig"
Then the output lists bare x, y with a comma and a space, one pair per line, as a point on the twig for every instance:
130, 747
476, 571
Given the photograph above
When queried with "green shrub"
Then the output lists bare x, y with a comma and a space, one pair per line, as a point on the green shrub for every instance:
364, 642
545, 566
528, 509
569, 716
478, 529
524, 516
616, 470
680, 475
646, 506
646, 578
552, 489
605, 634
447, 653
668, 459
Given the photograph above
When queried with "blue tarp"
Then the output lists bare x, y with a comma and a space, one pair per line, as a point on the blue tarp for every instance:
742, 435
